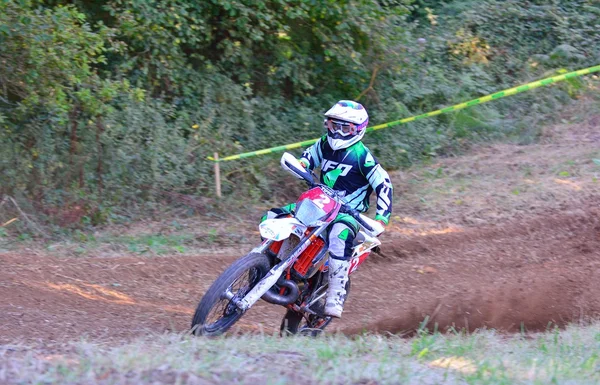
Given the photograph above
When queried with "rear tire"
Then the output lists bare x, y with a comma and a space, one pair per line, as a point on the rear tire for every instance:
290, 324
215, 313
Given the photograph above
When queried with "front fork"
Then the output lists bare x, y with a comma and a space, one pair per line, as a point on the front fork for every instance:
273, 275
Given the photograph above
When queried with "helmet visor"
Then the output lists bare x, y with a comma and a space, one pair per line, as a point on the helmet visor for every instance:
340, 128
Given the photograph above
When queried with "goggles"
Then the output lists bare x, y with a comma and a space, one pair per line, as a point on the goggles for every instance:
340, 127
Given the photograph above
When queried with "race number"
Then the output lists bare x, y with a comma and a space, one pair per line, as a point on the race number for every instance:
322, 201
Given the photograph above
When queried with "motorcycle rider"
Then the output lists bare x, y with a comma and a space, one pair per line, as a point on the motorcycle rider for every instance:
349, 167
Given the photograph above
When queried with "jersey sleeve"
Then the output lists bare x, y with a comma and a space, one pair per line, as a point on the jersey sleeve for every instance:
379, 179
313, 155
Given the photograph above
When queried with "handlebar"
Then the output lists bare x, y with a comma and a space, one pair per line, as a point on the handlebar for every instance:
356, 215
291, 164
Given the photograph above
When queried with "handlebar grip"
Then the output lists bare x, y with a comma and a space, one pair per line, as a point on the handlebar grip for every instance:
304, 173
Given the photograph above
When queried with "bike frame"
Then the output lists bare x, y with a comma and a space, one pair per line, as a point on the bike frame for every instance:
359, 255
273, 275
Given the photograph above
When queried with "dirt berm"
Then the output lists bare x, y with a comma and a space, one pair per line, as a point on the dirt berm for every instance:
528, 275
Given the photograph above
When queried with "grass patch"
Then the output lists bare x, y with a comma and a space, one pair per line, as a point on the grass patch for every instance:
155, 243
194, 236
484, 357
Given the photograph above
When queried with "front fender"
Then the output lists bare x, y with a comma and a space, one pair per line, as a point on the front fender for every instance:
278, 229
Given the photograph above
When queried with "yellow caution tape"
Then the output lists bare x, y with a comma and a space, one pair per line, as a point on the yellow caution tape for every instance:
474, 102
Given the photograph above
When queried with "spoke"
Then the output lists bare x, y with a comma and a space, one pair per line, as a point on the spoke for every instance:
239, 288
217, 312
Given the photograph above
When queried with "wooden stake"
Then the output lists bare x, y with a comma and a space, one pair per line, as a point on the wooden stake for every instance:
9, 222
217, 175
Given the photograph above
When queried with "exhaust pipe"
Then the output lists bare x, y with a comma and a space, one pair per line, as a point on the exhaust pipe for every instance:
273, 296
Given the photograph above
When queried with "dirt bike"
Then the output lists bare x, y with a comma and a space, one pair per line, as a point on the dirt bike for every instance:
289, 268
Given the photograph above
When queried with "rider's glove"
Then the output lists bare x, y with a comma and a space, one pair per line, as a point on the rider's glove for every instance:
303, 162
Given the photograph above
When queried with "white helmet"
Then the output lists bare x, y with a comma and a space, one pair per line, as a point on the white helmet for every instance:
346, 124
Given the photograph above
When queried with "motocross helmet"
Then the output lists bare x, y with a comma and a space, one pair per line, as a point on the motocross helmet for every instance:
346, 123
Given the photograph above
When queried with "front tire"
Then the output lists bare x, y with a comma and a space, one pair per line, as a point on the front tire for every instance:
216, 313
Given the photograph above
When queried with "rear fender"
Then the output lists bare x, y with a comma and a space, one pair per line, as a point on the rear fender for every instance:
361, 251
278, 229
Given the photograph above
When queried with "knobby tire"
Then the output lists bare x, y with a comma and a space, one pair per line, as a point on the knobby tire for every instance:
290, 324
257, 266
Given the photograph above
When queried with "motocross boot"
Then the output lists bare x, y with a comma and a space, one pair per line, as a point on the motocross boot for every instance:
336, 292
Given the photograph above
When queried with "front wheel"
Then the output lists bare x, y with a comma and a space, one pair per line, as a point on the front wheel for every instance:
217, 311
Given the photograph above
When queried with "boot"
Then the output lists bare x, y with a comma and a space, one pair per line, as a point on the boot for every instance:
336, 292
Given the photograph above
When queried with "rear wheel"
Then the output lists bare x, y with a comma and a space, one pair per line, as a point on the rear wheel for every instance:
294, 323
217, 311
313, 325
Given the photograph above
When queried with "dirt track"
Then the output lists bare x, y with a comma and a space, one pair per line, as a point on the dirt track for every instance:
521, 274
512, 242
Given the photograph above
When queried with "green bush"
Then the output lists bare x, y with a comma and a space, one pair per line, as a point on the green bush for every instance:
116, 104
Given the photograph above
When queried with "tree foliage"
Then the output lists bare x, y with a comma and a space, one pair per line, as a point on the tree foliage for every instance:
117, 102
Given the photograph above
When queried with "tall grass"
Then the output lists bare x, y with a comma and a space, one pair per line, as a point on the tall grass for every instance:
484, 357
